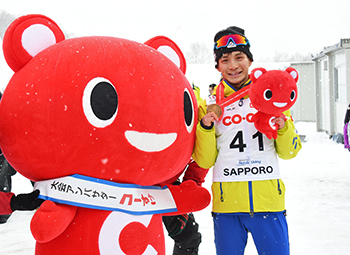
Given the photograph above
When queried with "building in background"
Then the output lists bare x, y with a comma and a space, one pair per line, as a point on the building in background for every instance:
304, 108
332, 83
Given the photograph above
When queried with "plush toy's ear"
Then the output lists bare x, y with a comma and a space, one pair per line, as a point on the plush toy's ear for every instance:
256, 73
293, 73
169, 49
27, 36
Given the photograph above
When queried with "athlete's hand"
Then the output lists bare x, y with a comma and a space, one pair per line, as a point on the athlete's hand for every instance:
279, 121
209, 118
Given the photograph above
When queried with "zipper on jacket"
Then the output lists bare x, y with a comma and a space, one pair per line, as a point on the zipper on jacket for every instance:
279, 187
250, 187
221, 193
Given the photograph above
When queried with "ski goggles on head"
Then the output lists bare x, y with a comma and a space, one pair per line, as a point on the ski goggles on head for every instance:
233, 39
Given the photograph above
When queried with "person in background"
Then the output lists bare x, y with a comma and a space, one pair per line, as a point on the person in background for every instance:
347, 129
211, 88
248, 194
197, 93
6, 171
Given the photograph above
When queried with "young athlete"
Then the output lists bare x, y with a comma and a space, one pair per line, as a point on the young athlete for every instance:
248, 194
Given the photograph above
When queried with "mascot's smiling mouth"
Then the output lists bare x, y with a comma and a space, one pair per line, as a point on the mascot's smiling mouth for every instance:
279, 104
150, 142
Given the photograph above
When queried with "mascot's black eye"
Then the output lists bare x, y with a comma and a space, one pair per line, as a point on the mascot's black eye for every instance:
292, 95
267, 94
104, 100
100, 102
188, 111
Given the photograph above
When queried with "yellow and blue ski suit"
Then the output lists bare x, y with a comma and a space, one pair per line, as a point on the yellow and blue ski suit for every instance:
247, 196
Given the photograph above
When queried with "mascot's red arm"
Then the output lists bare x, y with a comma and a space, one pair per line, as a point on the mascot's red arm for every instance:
187, 196
51, 220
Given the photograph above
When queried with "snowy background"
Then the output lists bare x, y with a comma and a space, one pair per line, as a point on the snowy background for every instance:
317, 180
317, 201
283, 26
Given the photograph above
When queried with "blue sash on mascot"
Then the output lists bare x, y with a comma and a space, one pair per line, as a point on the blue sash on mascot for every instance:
84, 191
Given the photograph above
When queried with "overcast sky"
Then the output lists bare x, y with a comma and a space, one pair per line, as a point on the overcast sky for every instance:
304, 26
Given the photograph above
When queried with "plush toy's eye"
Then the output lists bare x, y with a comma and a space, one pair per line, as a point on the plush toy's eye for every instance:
100, 102
267, 94
292, 95
188, 111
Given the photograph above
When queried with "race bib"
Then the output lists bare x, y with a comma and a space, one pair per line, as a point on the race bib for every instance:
245, 154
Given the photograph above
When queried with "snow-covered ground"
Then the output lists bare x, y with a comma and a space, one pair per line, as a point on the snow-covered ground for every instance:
317, 200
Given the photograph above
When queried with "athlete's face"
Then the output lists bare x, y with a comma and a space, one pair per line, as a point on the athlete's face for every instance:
234, 67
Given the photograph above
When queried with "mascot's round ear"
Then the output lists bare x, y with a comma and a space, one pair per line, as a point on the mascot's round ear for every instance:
293, 73
256, 73
27, 36
169, 49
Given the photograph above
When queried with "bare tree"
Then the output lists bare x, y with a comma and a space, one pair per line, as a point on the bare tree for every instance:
5, 20
199, 54
285, 57
300, 57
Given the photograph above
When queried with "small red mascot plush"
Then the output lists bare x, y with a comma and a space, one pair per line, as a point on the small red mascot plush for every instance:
99, 123
272, 93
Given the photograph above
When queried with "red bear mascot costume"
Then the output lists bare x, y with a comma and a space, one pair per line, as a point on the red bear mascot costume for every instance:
271, 93
99, 123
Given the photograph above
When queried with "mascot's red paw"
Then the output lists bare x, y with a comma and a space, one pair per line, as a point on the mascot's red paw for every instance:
196, 197
51, 220
264, 124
